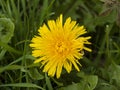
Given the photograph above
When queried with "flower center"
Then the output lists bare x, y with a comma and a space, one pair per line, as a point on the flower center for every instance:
60, 47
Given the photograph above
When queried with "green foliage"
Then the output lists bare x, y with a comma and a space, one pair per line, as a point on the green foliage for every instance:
87, 82
23, 85
20, 20
6, 30
112, 76
6, 33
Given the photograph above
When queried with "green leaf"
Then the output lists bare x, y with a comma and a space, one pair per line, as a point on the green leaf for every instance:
48, 82
6, 29
74, 86
30, 85
101, 20
114, 74
87, 82
10, 67
9, 48
89, 21
106, 86
6, 33
13, 67
34, 74
92, 80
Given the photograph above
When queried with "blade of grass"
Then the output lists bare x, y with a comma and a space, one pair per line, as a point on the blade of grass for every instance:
7, 67
30, 85
49, 85
9, 48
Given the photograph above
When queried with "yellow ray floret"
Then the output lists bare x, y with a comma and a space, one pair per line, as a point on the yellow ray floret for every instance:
59, 46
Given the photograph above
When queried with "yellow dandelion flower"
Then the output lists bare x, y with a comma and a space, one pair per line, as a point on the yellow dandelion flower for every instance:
59, 45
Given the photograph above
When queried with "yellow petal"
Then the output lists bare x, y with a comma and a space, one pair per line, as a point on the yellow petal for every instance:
67, 66
59, 69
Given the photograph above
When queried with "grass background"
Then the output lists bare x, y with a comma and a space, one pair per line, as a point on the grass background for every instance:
19, 21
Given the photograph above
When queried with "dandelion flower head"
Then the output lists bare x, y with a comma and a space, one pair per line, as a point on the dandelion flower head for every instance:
59, 46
